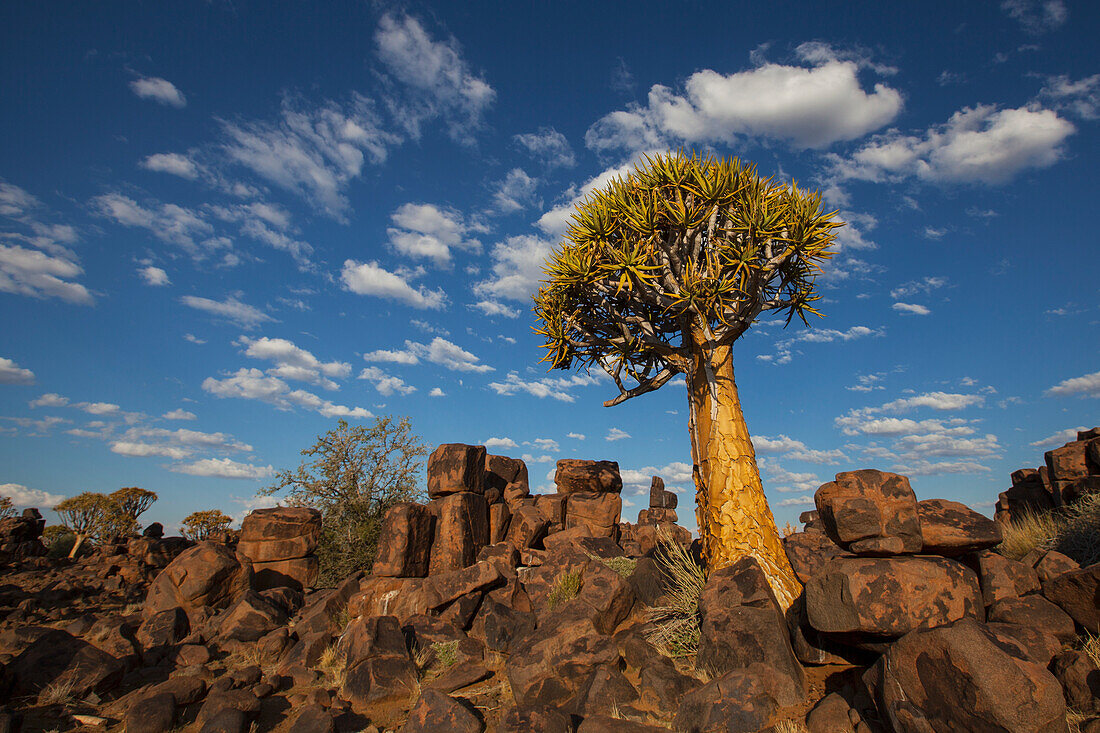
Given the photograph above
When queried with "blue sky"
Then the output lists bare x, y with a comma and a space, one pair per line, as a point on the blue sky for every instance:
223, 226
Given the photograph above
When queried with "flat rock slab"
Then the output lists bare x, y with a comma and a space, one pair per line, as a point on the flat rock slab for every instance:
949, 528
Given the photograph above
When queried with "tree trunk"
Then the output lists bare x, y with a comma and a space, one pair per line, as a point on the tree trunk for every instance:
732, 511
76, 546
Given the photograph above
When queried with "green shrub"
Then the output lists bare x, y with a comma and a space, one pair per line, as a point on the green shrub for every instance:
567, 586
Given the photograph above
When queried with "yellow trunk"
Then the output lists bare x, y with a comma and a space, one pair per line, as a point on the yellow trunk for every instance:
733, 514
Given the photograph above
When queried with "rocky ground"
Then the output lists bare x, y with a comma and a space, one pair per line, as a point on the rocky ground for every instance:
490, 609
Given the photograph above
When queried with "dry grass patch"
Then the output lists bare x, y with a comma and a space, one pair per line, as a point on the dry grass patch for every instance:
791, 726
332, 667
1079, 533
1090, 645
57, 693
676, 624
1031, 531
566, 587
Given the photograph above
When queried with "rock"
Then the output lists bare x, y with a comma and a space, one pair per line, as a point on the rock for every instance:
1052, 564
456, 468
661, 687
281, 523
207, 575
604, 597
60, 659
250, 618
379, 683
890, 596
298, 573
371, 636
659, 498
1080, 680
155, 713
1078, 594
154, 530
400, 597
809, 552
737, 701
435, 711
506, 474
553, 664
459, 675
461, 530
1030, 494
501, 626
598, 513
870, 512
1034, 612
543, 719
576, 475
949, 528
161, 631
313, 719
1003, 578
1069, 462
552, 507
228, 710
527, 527
657, 515
1024, 642
648, 581
957, 678
325, 607
405, 542
741, 624
830, 715
609, 724
499, 518
157, 552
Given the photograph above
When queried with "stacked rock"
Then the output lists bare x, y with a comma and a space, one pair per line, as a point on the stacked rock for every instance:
662, 505
20, 536
281, 543
588, 494
456, 487
1070, 472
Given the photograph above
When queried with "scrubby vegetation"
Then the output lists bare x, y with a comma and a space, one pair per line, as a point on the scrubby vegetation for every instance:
675, 630
1073, 530
566, 587
199, 526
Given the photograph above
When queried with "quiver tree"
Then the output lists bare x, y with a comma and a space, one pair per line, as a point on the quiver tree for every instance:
7, 508
201, 526
86, 515
659, 274
132, 502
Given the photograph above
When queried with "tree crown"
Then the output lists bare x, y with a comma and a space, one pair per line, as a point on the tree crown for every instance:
200, 525
680, 245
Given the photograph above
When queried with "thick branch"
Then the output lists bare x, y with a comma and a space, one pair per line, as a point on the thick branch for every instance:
649, 385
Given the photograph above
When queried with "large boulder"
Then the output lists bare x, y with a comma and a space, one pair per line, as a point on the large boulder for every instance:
575, 475
455, 468
949, 528
299, 573
808, 553
1078, 594
207, 576
597, 513
60, 660
556, 661
870, 512
742, 700
282, 523
1004, 578
461, 530
504, 474
891, 596
659, 497
741, 624
280, 542
527, 527
957, 678
405, 541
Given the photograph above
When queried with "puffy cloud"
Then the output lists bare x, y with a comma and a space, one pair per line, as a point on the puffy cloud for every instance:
439, 351
127, 448
293, 362
517, 268
50, 399
1037, 16
638, 479
547, 444
515, 192
154, 276
796, 450
438, 81
557, 388
616, 434
396, 356
269, 224
386, 384
493, 308
806, 500
313, 153
223, 468
494, 443
180, 415
253, 384
15, 201
548, 146
785, 348
426, 231
21, 496
1079, 98
158, 90
12, 373
575, 436
556, 221
39, 275
437, 392
981, 144
99, 408
1059, 438
1087, 385
231, 309
809, 107
369, 278
914, 287
933, 400
911, 309
168, 222
173, 163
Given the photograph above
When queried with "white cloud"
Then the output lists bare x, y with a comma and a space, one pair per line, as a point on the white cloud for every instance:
180, 414
158, 90
15, 201
808, 107
806, 500
98, 408
557, 388
556, 221
933, 400
437, 392
493, 308
193, 339
638, 479
154, 276
796, 450
50, 399
395, 356
293, 362
1037, 16
168, 222
616, 434
517, 268
313, 153
575, 436
493, 443
253, 384
912, 309
914, 287
269, 224
231, 309
515, 192
386, 384
426, 231
1079, 98
439, 351
12, 373
1059, 438
546, 444
36, 427
784, 348
932, 468
438, 82
21, 496
223, 468
173, 163
549, 147
128, 448
1087, 385
39, 275
370, 279
981, 144
532, 458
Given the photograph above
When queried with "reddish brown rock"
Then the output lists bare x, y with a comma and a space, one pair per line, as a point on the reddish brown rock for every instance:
544, 719
400, 597
1080, 680
598, 514
552, 507
576, 475
207, 575
502, 473
551, 667
741, 624
371, 636
299, 573
527, 527
890, 596
435, 711
154, 713
957, 678
1069, 462
1030, 496
1052, 564
499, 517
250, 618
59, 659
1078, 594
1034, 612
281, 523
743, 700
1025, 642
870, 512
383, 687
1003, 578
405, 542
951, 529
830, 715
657, 515
461, 530
659, 498
455, 468
809, 552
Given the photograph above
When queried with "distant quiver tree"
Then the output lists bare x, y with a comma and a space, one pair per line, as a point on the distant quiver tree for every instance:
200, 526
660, 272
132, 503
87, 515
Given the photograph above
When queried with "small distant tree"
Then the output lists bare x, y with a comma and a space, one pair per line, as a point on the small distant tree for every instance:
58, 539
7, 509
353, 475
86, 515
200, 526
132, 501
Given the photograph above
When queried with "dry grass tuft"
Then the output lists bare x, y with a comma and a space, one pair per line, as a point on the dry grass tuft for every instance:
330, 664
1079, 535
1029, 532
57, 693
1074, 718
676, 624
788, 529
1090, 645
791, 726
566, 587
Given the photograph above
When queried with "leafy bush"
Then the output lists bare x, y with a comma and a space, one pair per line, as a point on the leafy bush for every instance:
566, 587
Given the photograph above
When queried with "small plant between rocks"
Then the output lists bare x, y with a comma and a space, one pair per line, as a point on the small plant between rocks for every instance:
675, 631
566, 587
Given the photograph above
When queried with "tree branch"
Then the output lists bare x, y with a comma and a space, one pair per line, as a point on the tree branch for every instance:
649, 385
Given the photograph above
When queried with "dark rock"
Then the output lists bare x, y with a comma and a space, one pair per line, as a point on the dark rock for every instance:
405, 541
648, 581
576, 475
597, 513
1024, 642
313, 719
1078, 594
504, 473
385, 681
250, 618
1034, 612
60, 659
737, 701
809, 551
163, 629
499, 518
459, 675
455, 468
608, 724
435, 711
949, 528
830, 715
550, 668
1080, 680
606, 688
543, 719
1052, 564
154, 530
501, 626
208, 574
223, 710
299, 573
461, 530
661, 687
371, 636
870, 512
527, 527
1003, 578
154, 713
